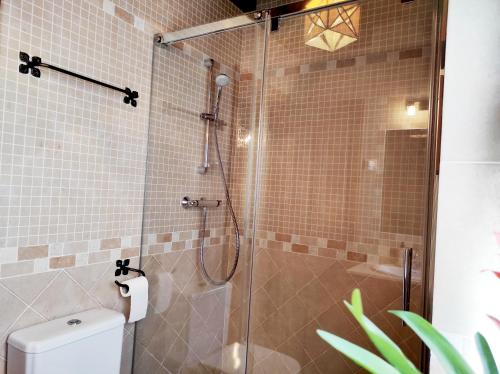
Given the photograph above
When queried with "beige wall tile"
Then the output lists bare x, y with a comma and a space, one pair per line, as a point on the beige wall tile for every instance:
300, 248
95, 257
30, 253
27, 288
163, 238
355, 256
16, 268
111, 243
62, 262
124, 15
131, 252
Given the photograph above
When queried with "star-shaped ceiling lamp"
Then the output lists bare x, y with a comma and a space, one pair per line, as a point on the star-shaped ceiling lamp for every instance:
332, 28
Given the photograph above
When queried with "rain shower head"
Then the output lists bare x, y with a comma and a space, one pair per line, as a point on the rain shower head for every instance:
222, 80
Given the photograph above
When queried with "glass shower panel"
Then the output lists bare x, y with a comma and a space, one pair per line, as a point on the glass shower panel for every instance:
343, 185
192, 325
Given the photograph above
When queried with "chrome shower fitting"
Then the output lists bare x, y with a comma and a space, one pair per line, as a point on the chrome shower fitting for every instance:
207, 116
186, 203
221, 81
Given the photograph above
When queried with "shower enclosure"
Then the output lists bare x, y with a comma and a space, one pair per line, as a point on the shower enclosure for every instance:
324, 134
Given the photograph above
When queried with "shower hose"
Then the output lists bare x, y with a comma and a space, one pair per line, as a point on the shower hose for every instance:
235, 222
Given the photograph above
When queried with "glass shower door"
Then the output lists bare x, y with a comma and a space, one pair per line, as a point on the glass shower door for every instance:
324, 141
343, 181
193, 325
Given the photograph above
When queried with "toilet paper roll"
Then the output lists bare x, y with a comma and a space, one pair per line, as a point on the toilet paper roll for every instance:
138, 293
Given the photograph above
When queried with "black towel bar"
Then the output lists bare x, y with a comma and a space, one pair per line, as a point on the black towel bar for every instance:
32, 66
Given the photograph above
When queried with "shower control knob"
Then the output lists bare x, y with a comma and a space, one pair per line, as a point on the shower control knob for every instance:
186, 203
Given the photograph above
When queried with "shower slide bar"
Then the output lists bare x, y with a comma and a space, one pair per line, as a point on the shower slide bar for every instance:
277, 13
32, 66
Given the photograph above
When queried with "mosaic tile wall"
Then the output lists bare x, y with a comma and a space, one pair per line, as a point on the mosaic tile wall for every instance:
193, 333
72, 153
175, 15
73, 156
176, 139
74, 191
343, 184
72, 161
332, 178
334, 120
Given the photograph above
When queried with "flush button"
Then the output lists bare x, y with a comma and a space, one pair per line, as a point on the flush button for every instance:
74, 322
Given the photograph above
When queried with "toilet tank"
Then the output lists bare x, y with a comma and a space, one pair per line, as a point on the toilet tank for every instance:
83, 343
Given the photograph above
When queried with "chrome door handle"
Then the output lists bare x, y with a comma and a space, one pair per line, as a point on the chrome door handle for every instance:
407, 263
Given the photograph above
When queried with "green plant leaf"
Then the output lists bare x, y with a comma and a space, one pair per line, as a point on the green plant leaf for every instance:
489, 365
449, 357
382, 342
360, 356
357, 304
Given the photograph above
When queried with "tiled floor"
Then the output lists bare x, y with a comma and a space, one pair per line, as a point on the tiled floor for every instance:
295, 294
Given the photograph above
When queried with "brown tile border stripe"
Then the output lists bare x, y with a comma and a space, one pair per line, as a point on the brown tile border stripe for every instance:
23, 260
382, 251
30, 253
124, 15
300, 248
346, 63
115, 11
411, 53
358, 257
62, 262
111, 243
41, 258
358, 61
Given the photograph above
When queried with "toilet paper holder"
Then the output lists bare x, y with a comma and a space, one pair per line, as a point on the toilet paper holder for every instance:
123, 268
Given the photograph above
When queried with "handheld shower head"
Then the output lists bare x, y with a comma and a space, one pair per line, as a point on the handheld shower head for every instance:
222, 80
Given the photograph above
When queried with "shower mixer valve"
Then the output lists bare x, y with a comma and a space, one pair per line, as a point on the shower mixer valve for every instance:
186, 203
208, 116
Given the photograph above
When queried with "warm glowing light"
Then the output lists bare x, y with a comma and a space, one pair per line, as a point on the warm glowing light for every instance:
244, 136
333, 28
411, 110
236, 356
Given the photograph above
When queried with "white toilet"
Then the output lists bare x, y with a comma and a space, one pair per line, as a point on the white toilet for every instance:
83, 343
